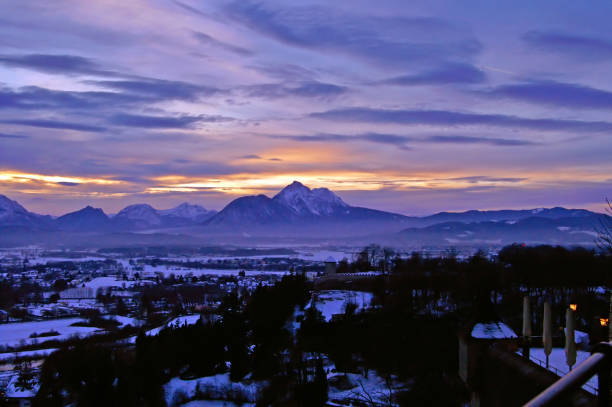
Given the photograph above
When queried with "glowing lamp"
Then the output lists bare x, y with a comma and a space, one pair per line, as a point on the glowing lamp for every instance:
603, 321
573, 307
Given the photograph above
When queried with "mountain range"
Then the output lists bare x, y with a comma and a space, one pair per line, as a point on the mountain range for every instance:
89, 219
297, 205
298, 211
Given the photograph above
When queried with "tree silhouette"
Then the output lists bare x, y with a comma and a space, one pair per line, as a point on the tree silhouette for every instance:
604, 232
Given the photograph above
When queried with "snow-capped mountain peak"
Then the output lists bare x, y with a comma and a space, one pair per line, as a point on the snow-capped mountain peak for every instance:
13, 214
140, 212
325, 195
305, 201
9, 208
185, 210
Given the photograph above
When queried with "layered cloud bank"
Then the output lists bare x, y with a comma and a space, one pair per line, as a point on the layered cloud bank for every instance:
407, 108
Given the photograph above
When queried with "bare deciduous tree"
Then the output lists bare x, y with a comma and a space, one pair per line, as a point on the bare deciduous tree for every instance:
604, 232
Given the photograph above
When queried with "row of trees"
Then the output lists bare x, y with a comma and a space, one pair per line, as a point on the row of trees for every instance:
408, 335
515, 265
253, 337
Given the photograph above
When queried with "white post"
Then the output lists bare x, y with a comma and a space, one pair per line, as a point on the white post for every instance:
570, 343
526, 325
547, 332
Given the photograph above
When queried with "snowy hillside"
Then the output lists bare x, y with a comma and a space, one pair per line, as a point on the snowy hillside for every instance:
13, 214
141, 214
195, 213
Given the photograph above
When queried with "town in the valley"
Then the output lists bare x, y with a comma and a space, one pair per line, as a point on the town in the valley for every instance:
57, 304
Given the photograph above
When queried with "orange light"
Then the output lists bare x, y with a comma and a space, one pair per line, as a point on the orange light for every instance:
603, 321
573, 307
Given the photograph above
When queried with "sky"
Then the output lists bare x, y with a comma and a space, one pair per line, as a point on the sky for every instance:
412, 107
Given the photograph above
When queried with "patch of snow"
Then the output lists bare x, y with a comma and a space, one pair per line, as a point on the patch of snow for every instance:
105, 282
361, 390
9, 207
141, 212
178, 321
185, 210
557, 363
492, 330
303, 200
322, 255
334, 302
125, 321
182, 271
44, 260
14, 391
40, 353
580, 337
217, 386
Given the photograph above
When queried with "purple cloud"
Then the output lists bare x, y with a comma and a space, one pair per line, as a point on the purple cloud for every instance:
457, 139
209, 40
163, 122
56, 64
555, 94
403, 141
570, 44
55, 124
386, 41
37, 98
484, 178
450, 118
154, 122
307, 89
444, 75
159, 89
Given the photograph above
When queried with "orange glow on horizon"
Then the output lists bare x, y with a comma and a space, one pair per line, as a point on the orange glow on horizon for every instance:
22, 178
341, 181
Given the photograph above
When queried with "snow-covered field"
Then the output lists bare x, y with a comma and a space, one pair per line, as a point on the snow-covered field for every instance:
28, 353
102, 282
315, 254
322, 255
182, 271
44, 260
17, 333
333, 302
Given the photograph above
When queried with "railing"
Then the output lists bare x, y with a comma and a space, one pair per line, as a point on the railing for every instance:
560, 373
599, 363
